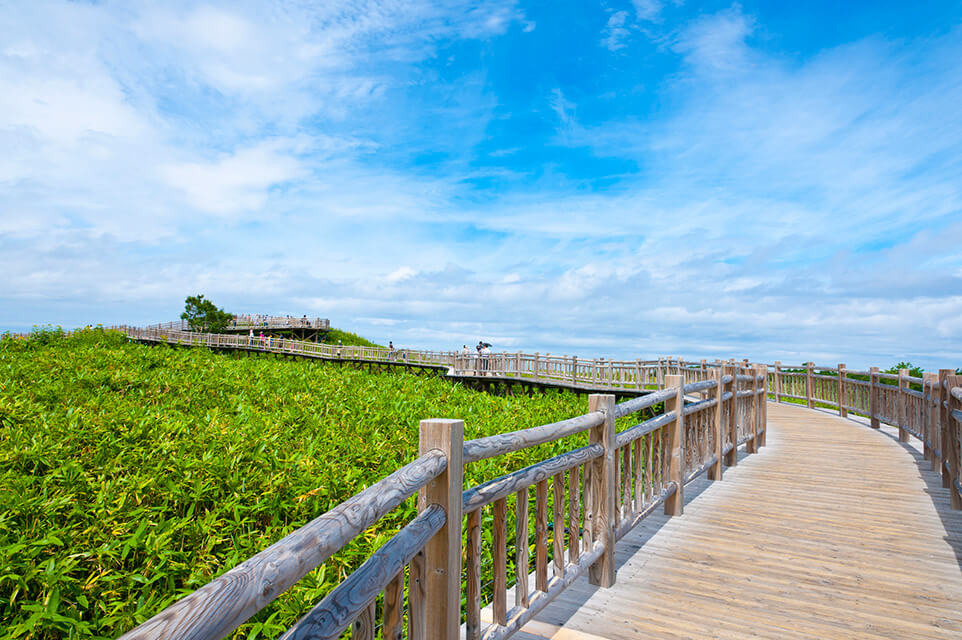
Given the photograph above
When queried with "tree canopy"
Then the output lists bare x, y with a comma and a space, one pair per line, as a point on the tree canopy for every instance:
203, 315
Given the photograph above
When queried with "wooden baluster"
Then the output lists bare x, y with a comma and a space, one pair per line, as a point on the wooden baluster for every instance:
442, 554
586, 502
873, 398
574, 516
626, 482
649, 468
731, 458
417, 598
675, 504
558, 524
574, 369
393, 607
808, 384
778, 381
946, 427
363, 627
499, 544
903, 418
842, 411
521, 548
473, 558
638, 469
954, 457
603, 488
715, 471
541, 536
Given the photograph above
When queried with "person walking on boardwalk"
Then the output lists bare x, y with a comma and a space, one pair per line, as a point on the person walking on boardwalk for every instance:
250, 338
485, 357
390, 350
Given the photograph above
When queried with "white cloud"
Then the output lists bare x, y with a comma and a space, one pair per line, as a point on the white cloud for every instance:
235, 182
615, 32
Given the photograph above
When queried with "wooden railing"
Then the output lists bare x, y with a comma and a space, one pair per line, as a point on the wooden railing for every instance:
927, 408
595, 373
585, 499
255, 322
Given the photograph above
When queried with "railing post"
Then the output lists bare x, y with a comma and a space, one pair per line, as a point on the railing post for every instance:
731, 458
842, 411
954, 458
660, 376
945, 427
932, 413
574, 369
715, 471
603, 481
537, 362
808, 384
675, 503
778, 381
873, 397
903, 434
638, 381
752, 445
442, 555
763, 406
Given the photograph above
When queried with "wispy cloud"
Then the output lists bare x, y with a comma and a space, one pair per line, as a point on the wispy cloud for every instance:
431, 171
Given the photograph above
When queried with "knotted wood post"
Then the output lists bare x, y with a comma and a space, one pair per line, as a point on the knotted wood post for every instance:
603, 481
954, 458
675, 503
842, 411
442, 555
903, 434
778, 381
715, 471
873, 393
731, 458
946, 427
808, 384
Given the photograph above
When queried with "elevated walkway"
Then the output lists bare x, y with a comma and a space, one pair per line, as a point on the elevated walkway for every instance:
850, 534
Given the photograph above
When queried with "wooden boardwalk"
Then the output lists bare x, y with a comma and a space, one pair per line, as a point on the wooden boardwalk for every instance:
851, 536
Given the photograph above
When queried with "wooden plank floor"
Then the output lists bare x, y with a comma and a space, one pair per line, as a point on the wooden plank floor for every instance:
832, 531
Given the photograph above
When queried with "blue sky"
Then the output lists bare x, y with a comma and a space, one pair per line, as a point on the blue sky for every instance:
762, 179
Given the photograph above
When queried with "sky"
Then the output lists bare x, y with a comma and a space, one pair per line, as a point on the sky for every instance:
767, 180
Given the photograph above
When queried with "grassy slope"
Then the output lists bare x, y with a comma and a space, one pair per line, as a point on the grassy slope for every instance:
130, 475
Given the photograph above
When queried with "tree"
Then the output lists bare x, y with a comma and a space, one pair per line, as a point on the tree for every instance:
203, 315
915, 372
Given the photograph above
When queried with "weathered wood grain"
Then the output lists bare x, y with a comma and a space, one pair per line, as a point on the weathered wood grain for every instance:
442, 554
603, 488
499, 548
503, 443
342, 605
393, 626
675, 504
472, 614
505, 485
225, 603
521, 548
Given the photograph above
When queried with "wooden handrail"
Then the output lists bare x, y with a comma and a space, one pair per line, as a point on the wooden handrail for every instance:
608, 486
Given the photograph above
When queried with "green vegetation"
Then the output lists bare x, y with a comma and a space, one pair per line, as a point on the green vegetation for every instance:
131, 475
348, 339
203, 315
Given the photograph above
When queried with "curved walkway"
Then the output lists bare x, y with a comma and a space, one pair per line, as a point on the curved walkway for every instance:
851, 536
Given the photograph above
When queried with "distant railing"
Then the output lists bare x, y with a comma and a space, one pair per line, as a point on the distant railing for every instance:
595, 373
248, 322
599, 492
927, 408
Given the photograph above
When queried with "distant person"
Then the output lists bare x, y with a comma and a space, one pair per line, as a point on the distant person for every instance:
250, 337
485, 358
390, 350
